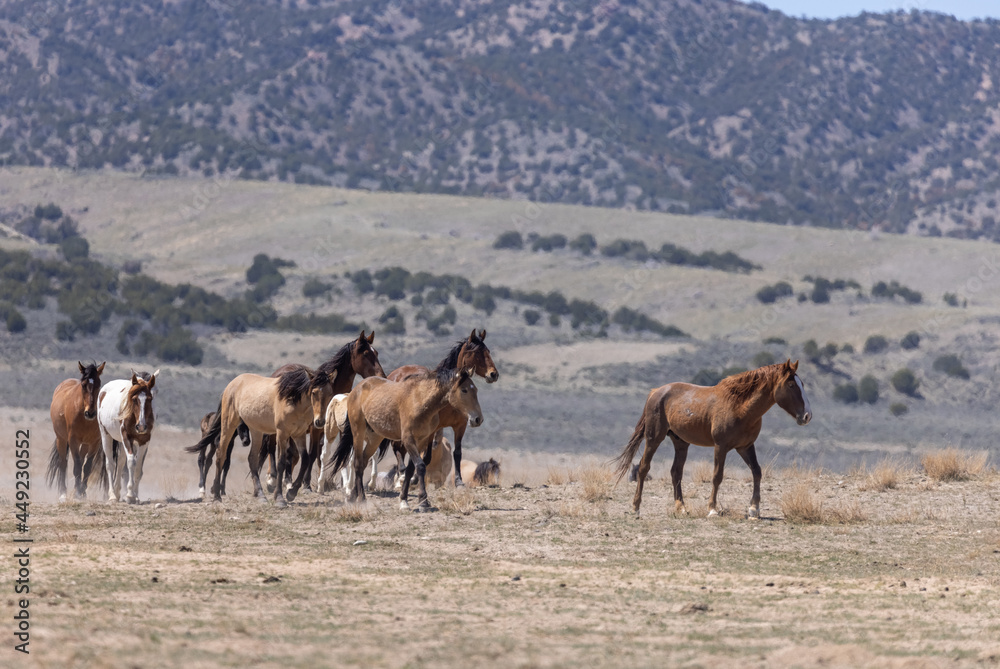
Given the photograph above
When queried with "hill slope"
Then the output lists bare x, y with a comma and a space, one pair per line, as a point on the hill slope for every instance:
709, 106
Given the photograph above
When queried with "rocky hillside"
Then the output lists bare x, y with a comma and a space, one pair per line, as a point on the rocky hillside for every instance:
690, 106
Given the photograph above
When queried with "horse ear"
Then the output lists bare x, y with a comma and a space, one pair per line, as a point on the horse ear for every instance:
135, 379
332, 377
795, 366
152, 379
371, 337
472, 337
80, 365
482, 334
100, 368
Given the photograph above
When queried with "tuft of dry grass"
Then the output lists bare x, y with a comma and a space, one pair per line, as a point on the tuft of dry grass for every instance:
846, 514
353, 513
702, 472
951, 464
885, 475
560, 476
799, 505
456, 500
597, 483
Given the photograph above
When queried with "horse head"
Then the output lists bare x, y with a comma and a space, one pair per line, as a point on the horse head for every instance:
90, 386
476, 354
364, 357
790, 394
320, 394
465, 396
138, 405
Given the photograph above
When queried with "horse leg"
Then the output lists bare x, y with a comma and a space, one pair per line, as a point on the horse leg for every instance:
306, 463
281, 462
421, 468
73, 449
253, 459
720, 466
225, 467
397, 449
131, 462
88, 467
457, 454
749, 455
111, 464
374, 474
677, 473
140, 458
644, 462
230, 422
404, 490
315, 439
272, 466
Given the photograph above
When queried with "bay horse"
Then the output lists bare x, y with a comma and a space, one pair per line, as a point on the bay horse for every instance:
357, 357
406, 411
726, 416
205, 459
471, 353
125, 418
73, 412
285, 406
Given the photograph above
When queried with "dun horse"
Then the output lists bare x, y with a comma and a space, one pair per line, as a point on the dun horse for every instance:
471, 353
726, 416
285, 406
73, 412
125, 418
405, 411
205, 459
357, 357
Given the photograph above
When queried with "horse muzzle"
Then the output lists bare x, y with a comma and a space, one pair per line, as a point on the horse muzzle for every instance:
475, 421
319, 423
90, 415
804, 418
493, 376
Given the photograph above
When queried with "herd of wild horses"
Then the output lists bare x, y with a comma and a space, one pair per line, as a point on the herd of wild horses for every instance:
296, 415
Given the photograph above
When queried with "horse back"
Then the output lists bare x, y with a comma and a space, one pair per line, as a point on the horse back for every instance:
401, 373
687, 410
252, 398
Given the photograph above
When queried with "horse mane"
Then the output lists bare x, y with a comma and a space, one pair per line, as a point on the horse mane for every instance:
292, 384
90, 372
339, 359
450, 362
484, 470
741, 387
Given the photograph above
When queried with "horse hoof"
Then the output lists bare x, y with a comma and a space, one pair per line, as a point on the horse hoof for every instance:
713, 513
291, 495
62, 498
403, 506
262, 499
201, 490
424, 509
753, 513
280, 503
459, 483
131, 499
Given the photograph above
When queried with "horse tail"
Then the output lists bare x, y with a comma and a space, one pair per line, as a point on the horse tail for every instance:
56, 465
214, 431
344, 450
101, 471
624, 461
382, 448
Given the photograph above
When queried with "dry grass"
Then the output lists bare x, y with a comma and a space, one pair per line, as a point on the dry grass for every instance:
596, 483
952, 464
560, 476
799, 505
456, 500
354, 513
702, 472
885, 475
848, 513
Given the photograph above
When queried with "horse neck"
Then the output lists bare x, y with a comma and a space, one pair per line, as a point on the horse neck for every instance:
345, 380
758, 403
437, 398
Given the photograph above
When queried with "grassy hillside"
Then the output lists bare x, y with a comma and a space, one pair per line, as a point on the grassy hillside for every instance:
561, 390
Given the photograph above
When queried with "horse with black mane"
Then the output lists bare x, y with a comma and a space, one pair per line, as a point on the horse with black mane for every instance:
73, 412
726, 416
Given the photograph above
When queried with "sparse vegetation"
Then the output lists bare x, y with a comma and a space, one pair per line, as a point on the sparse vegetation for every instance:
800, 506
511, 239
952, 464
893, 289
950, 364
771, 294
898, 409
910, 341
846, 393
905, 381
876, 344
868, 389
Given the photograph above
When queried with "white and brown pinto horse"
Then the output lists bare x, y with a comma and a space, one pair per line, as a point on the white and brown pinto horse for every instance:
125, 418
74, 420
726, 417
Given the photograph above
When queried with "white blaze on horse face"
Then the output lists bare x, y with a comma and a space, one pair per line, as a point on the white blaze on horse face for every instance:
141, 420
806, 411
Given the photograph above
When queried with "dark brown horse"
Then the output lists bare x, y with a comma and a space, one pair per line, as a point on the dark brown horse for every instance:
726, 416
471, 353
206, 426
357, 357
74, 412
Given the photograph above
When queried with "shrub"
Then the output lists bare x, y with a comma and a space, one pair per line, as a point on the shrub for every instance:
847, 348
770, 294
910, 340
509, 240
585, 244
531, 316
776, 340
392, 321
868, 389
74, 248
905, 382
555, 320
811, 349
50, 212
898, 409
951, 299
846, 393
631, 249
362, 280
391, 282
876, 344
893, 288
314, 288
549, 243
65, 331
179, 345
15, 321
820, 294
829, 351
953, 465
951, 365
630, 319
707, 377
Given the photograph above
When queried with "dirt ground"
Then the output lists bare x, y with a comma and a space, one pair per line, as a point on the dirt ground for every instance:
547, 570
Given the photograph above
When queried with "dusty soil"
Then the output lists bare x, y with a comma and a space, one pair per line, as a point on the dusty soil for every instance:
548, 570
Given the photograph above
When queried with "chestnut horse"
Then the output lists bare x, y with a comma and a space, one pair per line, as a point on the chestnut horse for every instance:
357, 357
726, 416
125, 418
73, 412
405, 411
471, 353
286, 406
